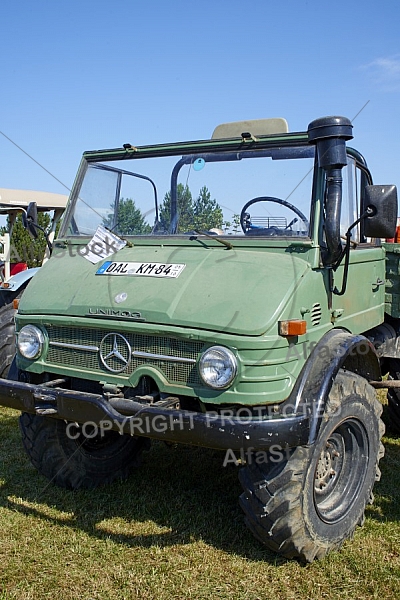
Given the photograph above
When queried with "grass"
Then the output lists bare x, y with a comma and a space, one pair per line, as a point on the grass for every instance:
173, 530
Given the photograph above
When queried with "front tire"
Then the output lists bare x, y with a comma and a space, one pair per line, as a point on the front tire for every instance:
73, 458
7, 333
7, 329
304, 502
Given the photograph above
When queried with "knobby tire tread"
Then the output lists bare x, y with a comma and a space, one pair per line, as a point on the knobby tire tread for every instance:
66, 464
272, 497
393, 396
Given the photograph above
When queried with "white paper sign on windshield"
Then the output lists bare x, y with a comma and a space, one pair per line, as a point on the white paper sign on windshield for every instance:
103, 244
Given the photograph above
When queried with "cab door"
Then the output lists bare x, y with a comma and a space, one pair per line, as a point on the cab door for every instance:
361, 306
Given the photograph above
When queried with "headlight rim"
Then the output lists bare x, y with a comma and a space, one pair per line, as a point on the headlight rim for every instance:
40, 342
231, 357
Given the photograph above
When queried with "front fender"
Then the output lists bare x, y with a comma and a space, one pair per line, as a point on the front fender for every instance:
337, 349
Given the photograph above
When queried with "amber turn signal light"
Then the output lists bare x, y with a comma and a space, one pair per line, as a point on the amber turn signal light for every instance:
292, 327
15, 303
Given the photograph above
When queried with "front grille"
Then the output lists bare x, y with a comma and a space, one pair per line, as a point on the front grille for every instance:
81, 358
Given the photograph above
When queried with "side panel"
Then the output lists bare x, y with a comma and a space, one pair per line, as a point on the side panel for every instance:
362, 305
392, 289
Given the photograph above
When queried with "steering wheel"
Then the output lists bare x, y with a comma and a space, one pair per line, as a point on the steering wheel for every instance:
245, 217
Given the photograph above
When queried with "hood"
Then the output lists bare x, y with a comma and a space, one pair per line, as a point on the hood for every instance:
226, 290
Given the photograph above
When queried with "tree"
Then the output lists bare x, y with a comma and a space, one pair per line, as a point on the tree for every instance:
207, 213
130, 220
236, 223
233, 227
185, 210
200, 214
24, 248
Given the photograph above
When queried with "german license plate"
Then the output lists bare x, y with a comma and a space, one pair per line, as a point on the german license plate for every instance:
138, 269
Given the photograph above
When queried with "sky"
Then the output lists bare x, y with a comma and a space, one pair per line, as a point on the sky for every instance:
87, 75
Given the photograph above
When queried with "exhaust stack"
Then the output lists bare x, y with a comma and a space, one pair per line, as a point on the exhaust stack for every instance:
330, 134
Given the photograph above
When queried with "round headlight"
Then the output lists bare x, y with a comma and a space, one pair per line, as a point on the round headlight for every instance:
30, 342
218, 367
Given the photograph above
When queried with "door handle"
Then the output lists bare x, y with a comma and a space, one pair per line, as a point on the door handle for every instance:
378, 283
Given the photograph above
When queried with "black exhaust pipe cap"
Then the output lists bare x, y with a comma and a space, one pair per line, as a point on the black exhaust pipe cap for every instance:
330, 134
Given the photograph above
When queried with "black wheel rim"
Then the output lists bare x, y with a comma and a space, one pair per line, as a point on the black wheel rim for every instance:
341, 471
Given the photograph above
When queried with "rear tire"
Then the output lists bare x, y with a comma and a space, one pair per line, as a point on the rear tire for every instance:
393, 395
308, 500
69, 456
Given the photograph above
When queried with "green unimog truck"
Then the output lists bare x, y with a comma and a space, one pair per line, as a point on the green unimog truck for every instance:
155, 319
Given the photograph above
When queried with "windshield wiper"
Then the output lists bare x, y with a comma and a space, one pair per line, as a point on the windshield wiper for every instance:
214, 237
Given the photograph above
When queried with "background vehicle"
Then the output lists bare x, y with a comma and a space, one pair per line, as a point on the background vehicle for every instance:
267, 343
14, 271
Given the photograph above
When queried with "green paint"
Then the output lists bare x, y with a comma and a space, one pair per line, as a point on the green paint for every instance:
232, 297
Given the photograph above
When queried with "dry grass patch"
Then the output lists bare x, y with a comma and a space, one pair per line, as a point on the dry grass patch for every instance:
173, 530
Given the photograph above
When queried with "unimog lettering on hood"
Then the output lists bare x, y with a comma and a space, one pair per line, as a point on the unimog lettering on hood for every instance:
113, 312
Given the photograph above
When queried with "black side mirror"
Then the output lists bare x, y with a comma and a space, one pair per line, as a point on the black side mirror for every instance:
380, 201
30, 219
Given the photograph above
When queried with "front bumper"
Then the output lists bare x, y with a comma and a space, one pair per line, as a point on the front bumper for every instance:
210, 430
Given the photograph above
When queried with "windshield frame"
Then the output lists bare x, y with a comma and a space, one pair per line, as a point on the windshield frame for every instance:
210, 150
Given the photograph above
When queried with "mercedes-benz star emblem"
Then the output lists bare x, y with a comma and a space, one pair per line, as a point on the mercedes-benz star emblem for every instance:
119, 357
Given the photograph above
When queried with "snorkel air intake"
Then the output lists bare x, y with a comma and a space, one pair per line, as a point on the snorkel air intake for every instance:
330, 134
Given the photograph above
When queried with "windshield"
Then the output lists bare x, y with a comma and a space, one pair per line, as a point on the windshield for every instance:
246, 193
